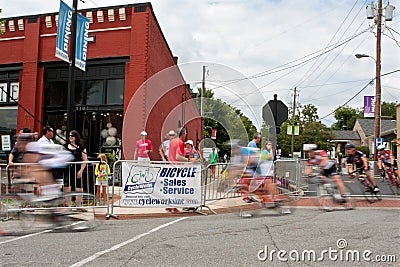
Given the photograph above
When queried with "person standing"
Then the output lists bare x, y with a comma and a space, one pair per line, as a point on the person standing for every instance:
256, 140
164, 147
143, 148
213, 156
74, 179
47, 137
102, 170
176, 153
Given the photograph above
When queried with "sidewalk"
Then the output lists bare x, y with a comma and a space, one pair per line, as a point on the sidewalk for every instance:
230, 205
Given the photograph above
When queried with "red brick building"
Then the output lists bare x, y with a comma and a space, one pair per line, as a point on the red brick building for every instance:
127, 49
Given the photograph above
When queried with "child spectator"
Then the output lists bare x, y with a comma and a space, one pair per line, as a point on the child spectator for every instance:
101, 171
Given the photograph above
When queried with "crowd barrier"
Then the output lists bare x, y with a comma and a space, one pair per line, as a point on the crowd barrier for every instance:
13, 182
150, 184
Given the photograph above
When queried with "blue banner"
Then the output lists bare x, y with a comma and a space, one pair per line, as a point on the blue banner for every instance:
82, 34
63, 31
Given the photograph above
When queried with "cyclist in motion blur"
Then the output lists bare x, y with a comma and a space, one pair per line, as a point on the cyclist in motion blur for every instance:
386, 159
326, 166
356, 162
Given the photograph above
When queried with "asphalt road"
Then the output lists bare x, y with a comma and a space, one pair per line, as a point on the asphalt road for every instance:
219, 240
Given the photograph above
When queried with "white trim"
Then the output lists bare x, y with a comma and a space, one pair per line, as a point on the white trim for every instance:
12, 38
90, 31
112, 29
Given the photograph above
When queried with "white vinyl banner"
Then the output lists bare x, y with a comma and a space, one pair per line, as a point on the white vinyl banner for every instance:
160, 185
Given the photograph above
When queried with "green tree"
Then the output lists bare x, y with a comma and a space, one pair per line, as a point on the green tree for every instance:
388, 110
229, 122
346, 118
2, 22
311, 131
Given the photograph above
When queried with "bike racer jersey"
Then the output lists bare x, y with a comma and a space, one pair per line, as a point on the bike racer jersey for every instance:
317, 159
356, 159
385, 155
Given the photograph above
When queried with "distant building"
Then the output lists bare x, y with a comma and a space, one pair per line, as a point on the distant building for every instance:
127, 47
363, 134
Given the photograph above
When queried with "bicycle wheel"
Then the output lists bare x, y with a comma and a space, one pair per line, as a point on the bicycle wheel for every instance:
366, 190
394, 185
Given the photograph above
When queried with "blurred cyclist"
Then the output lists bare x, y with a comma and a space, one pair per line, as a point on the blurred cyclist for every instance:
327, 167
43, 158
357, 159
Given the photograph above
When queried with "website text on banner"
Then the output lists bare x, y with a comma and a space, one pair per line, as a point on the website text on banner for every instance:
160, 185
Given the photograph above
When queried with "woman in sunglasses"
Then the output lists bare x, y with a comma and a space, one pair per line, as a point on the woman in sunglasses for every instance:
74, 179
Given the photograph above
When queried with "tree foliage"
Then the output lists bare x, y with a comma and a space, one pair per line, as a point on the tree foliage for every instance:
346, 118
311, 131
229, 122
388, 110
1, 22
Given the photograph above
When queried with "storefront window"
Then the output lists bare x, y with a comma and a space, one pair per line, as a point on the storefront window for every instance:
8, 118
115, 91
56, 95
95, 91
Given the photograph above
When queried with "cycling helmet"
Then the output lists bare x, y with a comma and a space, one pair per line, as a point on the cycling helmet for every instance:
308, 147
381, 147
348, 146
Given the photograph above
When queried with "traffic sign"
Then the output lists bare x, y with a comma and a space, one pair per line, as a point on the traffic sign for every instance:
279, 111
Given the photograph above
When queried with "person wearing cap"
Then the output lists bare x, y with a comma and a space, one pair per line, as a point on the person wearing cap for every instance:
190, 151
143, 148
164, 147
327, 167
386, 159
356, 160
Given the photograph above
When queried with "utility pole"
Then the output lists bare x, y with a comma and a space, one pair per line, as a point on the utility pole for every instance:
71, 71
294, 113
377, 109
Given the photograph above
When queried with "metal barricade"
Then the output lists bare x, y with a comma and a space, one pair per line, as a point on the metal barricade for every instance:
289, 172
218, 183
64, 177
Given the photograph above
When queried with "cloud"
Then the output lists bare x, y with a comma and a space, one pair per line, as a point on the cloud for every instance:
260, 35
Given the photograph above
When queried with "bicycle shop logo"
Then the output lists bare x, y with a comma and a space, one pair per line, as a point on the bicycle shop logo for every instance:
141, 180
340, 253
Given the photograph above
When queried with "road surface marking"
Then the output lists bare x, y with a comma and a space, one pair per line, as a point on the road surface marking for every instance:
118, 246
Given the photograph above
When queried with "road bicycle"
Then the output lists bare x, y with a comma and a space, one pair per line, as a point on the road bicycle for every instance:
394, 181
366, 187
281, 204
28, 212
329, 197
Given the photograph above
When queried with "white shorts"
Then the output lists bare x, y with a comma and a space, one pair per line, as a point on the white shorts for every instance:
143, 159
101, 182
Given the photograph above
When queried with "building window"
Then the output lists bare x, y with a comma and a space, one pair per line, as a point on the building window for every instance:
115, 91
95, 92
9, 92
8, 118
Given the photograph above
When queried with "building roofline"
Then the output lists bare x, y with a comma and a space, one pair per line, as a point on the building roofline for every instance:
79, 10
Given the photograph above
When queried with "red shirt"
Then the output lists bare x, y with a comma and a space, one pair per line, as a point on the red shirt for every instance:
176, 146
143, 145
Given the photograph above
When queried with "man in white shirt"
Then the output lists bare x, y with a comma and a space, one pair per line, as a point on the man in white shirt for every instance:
47, 137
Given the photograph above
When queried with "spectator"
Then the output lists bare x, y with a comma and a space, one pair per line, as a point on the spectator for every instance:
143, 148
213, 160
74, 179
176, 153
190, 151
47, 137
164, 147
256, 140
101, 171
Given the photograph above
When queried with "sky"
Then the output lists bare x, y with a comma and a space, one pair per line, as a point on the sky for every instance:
265, 47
